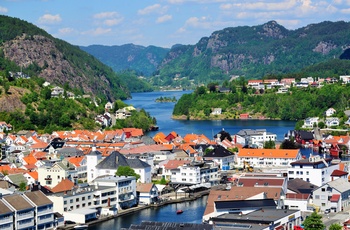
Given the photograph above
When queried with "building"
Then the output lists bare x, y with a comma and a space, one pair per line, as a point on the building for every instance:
267, 157
51, 175
147, 193
221, 156
195, 173
333, 195
255, 137
310, 122
315, 170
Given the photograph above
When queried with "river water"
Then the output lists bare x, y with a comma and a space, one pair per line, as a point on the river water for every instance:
162, 112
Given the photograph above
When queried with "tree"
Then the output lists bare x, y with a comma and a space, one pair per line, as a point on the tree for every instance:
270, 144
127, 171
22, 186
288, 144
313, 222
335, 226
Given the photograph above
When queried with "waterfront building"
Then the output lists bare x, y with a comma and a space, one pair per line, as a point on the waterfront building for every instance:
267, 157
253, 137
147, 193
310, 122
333, 195
314, 169
195, 173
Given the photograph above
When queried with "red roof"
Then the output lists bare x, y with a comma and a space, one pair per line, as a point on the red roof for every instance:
339, 173
335, 198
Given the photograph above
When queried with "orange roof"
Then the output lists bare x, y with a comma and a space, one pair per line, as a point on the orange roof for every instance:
64, 185
144, 187
198, 139
39, 145
173, 164
33, 174
269, 153
30, 159
40, 155
76, 160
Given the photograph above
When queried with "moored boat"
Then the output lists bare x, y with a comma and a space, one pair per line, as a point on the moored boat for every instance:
179, 211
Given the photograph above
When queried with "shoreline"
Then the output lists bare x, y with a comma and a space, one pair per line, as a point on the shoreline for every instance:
192, 197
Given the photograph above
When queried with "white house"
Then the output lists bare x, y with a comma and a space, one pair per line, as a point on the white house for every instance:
96, 166
221, 156
330, 112
51, 175
147, 193
254, 137
297, 201
310, 122
332, 121
195, 173
315, 170
333, 195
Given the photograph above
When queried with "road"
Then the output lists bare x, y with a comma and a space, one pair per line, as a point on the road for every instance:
331, 218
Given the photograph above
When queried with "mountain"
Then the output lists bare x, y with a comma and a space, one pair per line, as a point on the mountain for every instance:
253, 52
143, 60
29, 49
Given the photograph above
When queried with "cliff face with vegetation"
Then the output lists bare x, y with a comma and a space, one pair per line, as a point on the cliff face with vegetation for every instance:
254, 52
35, 52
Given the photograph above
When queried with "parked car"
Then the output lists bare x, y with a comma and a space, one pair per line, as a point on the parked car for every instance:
327, 211
69, 222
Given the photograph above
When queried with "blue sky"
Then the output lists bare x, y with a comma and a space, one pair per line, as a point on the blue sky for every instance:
164, 22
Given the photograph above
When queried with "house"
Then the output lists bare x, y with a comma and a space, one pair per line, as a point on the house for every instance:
267, 157
147, 193
345, 79
310, 122
332, 121
253, 137
97, 166
108, 106
329, 112
50, 175
221, 156
195, 173
244, 116
314, 169
333, 195
4, 127
216, 111
298, 201
122, 113
282, 90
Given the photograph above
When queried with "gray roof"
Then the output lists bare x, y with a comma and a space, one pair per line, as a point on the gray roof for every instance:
18, 202
70, 151
4, 209
38, 198
340, 184
17, 178
300, 186
116, 159
95, 153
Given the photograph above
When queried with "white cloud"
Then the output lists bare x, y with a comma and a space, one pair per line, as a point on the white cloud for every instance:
269, 6
50, 19
195, 1
3, 9
113, 22
164, 18
65, 30
345, 11
103, 15
198, 22
156, 8
98, 31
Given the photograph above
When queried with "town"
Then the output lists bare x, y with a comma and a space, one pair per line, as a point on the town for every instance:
75, 178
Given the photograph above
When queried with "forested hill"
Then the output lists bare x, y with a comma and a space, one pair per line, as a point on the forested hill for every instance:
144, 60
253, 52
27, 48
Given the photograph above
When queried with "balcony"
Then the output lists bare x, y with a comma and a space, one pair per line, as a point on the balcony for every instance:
48, 178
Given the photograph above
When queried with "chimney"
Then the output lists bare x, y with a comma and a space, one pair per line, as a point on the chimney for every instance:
116, 159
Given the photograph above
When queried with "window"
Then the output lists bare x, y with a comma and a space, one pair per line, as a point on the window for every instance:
65, 202
83, 198
71, 201
323, 189
307, 172
77, 200
291, 172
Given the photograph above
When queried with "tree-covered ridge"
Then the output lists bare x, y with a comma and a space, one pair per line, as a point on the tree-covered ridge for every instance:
253, 52
26, 47
297, 104
36, 109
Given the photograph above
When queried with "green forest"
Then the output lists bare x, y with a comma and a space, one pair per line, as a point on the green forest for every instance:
297, 104
46, 114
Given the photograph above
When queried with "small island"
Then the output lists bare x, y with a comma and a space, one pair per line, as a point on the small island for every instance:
166, 99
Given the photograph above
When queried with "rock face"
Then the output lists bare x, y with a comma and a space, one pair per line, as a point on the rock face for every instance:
54, 66
11, 102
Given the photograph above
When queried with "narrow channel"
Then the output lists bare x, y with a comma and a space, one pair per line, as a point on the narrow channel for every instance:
193, 213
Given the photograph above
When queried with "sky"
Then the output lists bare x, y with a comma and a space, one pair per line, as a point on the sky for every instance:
164, 23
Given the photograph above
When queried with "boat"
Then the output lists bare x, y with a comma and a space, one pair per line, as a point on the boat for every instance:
81, 226
179, 211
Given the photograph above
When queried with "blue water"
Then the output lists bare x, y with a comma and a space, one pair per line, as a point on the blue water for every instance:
163, 111
193, 213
